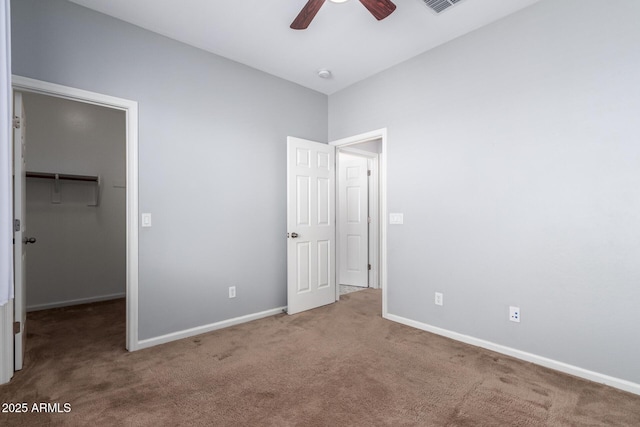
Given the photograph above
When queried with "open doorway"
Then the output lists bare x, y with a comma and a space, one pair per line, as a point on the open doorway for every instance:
75, 202
312, 258
358, 216
361, 229
130, 109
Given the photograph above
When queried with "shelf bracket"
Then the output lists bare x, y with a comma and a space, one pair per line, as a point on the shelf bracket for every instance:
96, 193
55, 190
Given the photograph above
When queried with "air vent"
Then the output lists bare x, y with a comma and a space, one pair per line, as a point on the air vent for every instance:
439, 6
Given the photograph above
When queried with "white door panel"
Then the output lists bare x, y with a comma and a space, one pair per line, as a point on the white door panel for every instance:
353, 199
310, 225
20, 245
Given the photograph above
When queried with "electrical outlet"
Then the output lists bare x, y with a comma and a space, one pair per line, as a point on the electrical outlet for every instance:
514, 314
232, 291
439, 299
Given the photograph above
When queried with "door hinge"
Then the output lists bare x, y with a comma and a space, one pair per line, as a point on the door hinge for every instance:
16, 225
16, 328
368, 173
368, 220
369, 266
16, 122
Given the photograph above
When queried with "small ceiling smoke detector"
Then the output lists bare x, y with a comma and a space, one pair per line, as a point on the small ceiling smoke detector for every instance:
324, 74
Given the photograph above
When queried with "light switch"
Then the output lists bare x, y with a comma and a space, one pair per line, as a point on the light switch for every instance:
396, 218
146, 220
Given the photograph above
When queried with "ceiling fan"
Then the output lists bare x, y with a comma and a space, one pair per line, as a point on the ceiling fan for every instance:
380, 9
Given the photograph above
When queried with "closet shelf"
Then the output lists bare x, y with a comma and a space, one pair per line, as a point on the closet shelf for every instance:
56, 177
48, 175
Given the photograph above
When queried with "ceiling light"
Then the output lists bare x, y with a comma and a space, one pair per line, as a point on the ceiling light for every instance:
337, 1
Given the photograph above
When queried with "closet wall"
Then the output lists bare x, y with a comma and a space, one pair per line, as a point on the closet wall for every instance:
80, 251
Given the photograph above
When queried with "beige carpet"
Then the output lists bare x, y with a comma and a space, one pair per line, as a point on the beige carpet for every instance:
340, 365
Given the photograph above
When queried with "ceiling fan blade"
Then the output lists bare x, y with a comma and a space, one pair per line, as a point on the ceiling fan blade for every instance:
306, 15
380, 9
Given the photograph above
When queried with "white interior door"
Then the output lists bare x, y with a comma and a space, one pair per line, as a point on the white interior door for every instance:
310, 225
20, 239
353, 199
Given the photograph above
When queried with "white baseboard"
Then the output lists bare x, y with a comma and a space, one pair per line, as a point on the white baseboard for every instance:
523, 355
57, 304
163, 339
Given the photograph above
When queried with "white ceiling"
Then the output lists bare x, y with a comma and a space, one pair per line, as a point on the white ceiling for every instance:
344, 38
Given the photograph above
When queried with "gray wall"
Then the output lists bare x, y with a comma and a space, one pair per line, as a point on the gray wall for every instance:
211, 157
80, 251
513, 154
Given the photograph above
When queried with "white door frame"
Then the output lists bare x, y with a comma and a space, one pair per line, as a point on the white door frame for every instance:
380, 134
130, 109
6, 129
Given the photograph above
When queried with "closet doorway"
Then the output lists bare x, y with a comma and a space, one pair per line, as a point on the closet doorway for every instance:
75, 202
93, 195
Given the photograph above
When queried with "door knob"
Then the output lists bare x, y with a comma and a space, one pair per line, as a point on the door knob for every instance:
294, 235
29, 240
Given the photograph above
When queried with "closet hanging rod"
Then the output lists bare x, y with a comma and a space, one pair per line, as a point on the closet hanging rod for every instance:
48, 175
